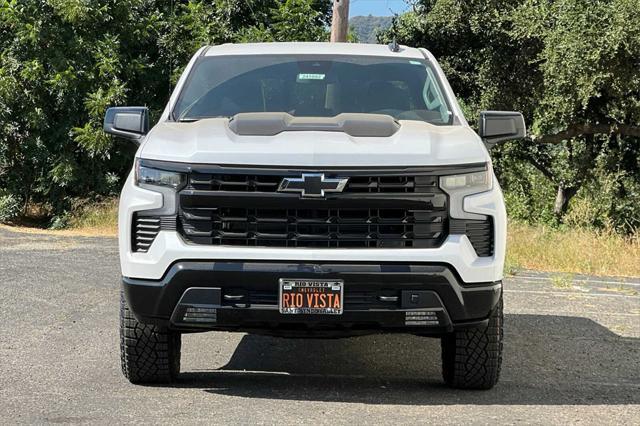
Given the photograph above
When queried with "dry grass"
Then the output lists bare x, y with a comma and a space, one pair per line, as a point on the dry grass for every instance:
97, 219
572, 251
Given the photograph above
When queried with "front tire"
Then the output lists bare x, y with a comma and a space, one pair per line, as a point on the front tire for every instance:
148, 354
471, 359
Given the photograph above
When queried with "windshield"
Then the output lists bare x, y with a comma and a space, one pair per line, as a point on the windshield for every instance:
312, 86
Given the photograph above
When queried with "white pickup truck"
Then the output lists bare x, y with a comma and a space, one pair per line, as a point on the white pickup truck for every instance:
312, 190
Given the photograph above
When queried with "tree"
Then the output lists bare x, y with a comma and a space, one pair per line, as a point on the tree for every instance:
571, 66
63, 62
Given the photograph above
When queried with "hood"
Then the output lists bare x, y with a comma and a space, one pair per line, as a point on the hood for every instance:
210, 141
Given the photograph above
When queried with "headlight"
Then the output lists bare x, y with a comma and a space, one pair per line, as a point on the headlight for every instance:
468, 182
156, 177
459, 186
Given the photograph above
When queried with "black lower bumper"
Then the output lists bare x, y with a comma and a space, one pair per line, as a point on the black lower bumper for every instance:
243, 296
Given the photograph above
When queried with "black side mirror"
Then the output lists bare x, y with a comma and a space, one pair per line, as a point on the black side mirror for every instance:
500, 126
127, 122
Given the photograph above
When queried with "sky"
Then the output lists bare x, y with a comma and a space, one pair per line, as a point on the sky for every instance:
377, 7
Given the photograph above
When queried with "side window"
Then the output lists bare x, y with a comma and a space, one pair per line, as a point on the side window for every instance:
433, 98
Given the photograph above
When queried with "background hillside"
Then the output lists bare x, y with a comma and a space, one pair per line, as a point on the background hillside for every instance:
365, 28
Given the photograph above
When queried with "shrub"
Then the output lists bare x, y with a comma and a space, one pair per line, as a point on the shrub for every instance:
9, 207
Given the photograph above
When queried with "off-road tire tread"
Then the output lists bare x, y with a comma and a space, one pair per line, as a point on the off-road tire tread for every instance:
148, 354
471, 359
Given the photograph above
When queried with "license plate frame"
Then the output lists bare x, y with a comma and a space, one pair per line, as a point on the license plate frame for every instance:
295, 286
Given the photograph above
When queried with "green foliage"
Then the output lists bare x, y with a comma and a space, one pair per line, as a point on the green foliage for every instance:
566, 64
290, 20
588, 59
63, 62
9, 207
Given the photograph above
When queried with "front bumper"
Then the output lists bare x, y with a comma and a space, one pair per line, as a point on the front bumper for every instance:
242, 296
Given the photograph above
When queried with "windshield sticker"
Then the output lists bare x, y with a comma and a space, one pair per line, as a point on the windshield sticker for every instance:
310, 77
415, 62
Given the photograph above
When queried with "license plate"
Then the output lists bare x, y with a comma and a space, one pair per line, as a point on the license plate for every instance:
322, 297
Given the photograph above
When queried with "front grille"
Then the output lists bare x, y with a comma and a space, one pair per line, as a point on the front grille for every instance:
374, 211
314, 227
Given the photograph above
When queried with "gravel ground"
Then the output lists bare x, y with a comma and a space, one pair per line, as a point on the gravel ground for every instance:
572, 355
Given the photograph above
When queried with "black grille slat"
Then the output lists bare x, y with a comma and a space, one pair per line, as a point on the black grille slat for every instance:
382, 184
479, 232
410, 219
270, 183
234, 182
145, 229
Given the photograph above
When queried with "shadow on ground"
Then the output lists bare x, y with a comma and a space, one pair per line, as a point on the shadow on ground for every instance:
549, 360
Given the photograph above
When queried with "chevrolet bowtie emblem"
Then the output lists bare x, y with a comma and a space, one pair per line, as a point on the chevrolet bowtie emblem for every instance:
312, 185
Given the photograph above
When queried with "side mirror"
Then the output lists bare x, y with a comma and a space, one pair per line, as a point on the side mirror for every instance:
500, 126
127, 122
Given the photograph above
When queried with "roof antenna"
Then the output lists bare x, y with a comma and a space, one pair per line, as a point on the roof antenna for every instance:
394, 46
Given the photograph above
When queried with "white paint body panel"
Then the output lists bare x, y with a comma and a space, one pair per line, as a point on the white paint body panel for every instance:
210, 141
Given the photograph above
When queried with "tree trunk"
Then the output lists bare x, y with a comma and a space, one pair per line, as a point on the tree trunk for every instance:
340, 21
563, 197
